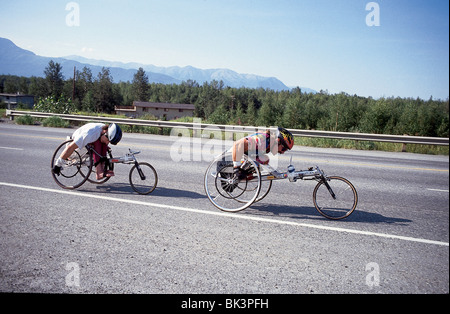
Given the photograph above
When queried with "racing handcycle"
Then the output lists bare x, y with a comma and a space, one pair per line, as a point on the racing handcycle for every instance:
80, 167
334, 197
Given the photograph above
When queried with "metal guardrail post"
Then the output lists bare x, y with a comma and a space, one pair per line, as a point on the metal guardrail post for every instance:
9, 114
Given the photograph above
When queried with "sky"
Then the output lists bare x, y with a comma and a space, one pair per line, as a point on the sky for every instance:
382, 48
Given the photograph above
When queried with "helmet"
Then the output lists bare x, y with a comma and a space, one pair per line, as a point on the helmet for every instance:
285, 138
114, 134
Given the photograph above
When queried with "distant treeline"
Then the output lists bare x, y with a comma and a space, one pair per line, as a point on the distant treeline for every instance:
216, 103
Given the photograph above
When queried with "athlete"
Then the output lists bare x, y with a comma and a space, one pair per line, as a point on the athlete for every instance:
259, 145
100, 136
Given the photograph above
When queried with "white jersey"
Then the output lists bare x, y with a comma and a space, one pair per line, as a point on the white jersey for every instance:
87, 134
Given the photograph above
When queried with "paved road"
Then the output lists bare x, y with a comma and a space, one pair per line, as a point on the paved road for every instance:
108, 239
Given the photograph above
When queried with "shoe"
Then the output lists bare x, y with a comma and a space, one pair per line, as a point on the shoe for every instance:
57, 170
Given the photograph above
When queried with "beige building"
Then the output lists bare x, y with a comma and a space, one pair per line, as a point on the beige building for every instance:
162, 111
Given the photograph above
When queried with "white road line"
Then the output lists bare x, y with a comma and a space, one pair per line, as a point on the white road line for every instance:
11, 148
229, 215
437, 190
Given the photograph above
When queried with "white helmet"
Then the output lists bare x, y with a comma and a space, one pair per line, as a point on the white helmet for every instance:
114, 134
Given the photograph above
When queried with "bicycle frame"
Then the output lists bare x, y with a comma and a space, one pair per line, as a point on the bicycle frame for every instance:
310, 174
129, 159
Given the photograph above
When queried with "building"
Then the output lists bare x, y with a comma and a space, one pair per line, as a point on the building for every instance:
13, 101
161, 111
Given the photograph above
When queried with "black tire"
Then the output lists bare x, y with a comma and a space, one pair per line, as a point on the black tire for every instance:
340, 206
76, 170
147, 185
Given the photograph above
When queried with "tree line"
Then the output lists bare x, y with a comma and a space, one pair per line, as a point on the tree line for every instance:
216, 103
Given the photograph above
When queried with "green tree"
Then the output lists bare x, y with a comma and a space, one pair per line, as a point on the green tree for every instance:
54, 79
251, 114
104, 94
266, 115
140, 87
220, 116
89, 103
292, 117
37, 87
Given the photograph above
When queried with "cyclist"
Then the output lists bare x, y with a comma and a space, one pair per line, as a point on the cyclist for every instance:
97, 134
260, 144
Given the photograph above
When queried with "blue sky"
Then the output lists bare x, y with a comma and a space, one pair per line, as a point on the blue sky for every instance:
320, 44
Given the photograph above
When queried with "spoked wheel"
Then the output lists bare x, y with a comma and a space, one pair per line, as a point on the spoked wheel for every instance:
75, 170
335, 198
266, 185
143, 178
226, 191
93, 177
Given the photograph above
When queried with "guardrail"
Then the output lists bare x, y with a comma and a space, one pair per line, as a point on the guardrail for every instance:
241, 129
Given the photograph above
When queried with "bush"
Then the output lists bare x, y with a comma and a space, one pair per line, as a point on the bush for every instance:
52, 104
55, 122
25, 120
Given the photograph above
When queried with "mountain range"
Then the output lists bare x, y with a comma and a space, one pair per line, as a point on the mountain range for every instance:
17, 61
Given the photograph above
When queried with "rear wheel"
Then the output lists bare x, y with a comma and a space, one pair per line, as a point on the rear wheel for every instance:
226, 191
76, 168
93, 177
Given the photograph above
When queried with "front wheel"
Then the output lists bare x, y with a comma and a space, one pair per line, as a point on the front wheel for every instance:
143, 178
335, 198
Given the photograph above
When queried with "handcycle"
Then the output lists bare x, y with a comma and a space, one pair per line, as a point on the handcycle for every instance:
334, 197
79, 168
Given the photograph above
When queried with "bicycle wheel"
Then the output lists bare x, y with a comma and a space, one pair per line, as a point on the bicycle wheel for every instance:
93, 177
76, 168
228, 193
335, 198
266, 185
143, 178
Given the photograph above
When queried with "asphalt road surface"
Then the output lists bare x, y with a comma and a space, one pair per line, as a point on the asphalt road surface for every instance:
108, 239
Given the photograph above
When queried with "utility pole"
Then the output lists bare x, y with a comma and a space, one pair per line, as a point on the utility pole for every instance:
73, 86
